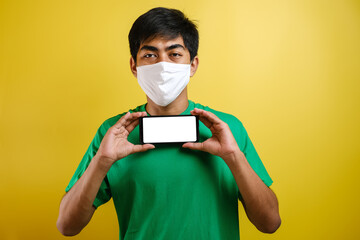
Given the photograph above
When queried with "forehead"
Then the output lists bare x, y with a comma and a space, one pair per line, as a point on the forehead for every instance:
162, 42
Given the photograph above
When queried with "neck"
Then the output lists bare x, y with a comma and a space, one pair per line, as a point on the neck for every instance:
176, 107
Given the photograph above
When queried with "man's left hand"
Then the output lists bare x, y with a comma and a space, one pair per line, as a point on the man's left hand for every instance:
222, 143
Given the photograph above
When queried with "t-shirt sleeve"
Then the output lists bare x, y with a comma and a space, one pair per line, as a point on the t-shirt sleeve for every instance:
255, 161
104, 193
247, 147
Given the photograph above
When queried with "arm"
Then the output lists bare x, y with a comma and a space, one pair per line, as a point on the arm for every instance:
259, 201
76, 207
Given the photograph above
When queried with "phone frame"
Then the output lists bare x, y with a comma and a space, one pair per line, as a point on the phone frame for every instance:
141, 136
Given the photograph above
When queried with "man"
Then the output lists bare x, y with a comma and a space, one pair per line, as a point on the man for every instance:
171, 191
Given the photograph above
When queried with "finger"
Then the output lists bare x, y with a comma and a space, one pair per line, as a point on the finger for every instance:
142, 148
194, 146
128, 118
132, 125
203, 119
208, 115
121, 121
208, 118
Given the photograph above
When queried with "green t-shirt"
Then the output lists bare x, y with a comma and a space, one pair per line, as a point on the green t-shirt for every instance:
171, 192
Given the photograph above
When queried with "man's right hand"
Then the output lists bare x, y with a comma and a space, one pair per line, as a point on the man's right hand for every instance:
76, 207
115, 145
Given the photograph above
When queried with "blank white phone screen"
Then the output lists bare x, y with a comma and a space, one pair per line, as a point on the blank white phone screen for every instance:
169, 129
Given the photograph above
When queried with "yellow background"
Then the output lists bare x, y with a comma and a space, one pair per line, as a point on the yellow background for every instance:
289, 70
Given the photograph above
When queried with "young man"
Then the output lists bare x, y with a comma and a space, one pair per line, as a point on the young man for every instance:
172, 191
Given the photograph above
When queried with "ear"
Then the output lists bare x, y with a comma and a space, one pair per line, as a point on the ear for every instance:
194, 65
133, 67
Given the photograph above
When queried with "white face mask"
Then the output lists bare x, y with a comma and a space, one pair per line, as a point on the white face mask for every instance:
163, 82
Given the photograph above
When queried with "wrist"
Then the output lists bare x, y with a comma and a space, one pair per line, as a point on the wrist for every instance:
103, 162
234, 157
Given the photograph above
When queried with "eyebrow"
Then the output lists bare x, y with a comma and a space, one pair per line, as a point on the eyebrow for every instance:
174, 46
155, 49
150, 48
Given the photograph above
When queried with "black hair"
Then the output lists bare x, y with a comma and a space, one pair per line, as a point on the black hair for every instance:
164, 22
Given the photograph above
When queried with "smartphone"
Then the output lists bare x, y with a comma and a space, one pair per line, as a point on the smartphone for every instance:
169, 129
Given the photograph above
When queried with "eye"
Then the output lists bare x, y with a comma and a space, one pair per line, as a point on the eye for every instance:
149, 55
175, 54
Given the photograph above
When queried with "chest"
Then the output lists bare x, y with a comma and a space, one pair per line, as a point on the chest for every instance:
170, 167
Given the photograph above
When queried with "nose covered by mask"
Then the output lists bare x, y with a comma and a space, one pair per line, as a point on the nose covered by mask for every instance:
163, 82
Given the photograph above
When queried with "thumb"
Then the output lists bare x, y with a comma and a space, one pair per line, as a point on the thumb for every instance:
194, 146
142, 148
